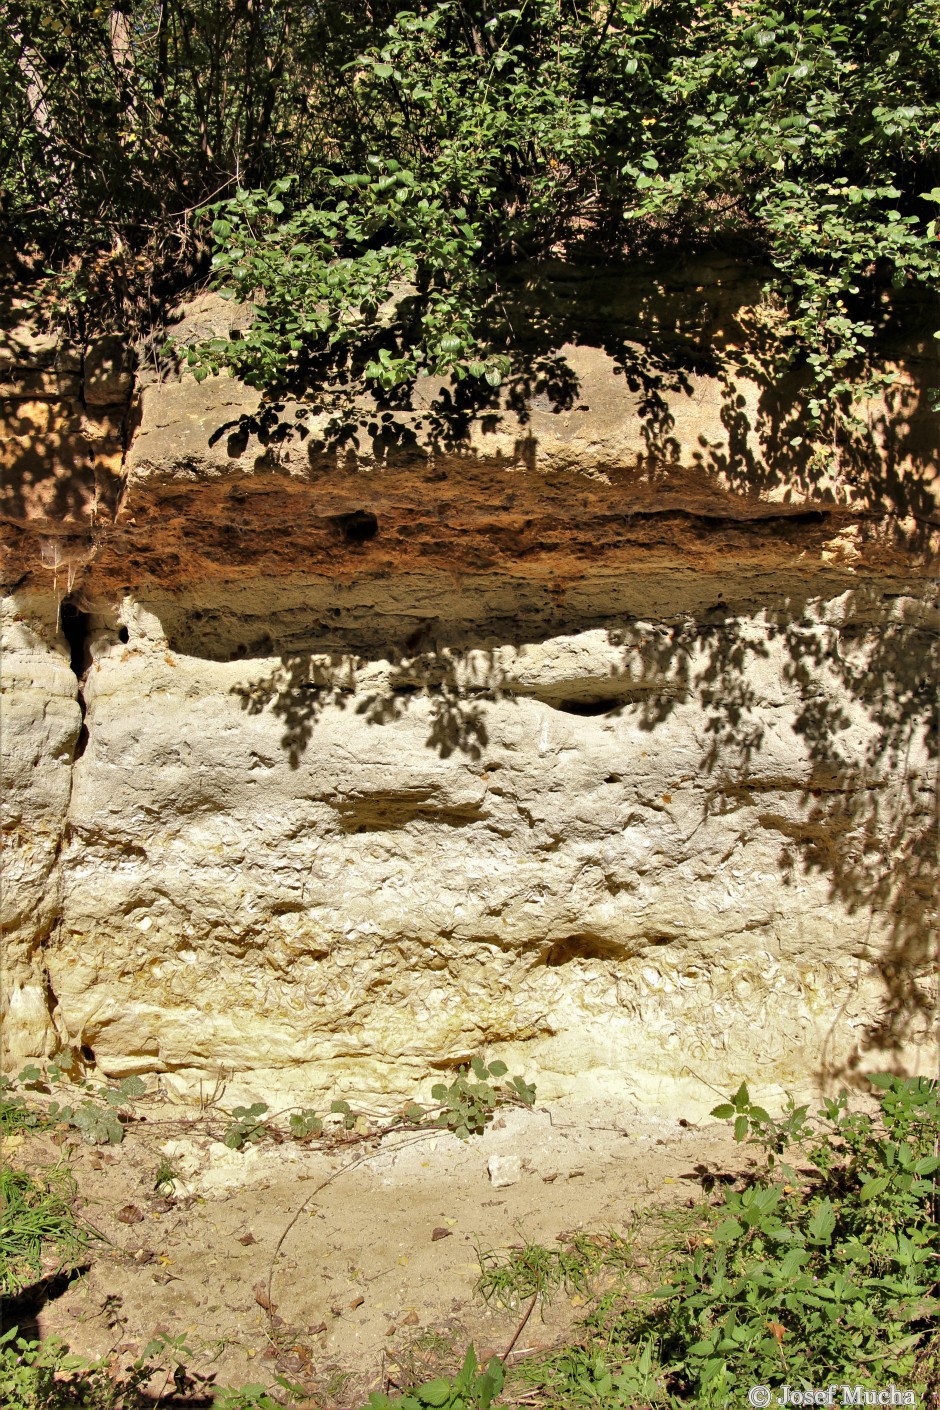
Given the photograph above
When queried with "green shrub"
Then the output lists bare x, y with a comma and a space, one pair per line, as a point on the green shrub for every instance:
822, 1271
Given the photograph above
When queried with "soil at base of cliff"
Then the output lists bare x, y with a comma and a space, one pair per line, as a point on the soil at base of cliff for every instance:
371, 1275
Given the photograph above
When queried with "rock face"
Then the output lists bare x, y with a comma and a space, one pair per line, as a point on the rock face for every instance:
595, 733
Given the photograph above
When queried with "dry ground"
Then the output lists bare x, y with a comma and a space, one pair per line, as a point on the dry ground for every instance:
356, 1283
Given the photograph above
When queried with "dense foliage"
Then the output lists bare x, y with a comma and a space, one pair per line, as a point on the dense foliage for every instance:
383, 172
819, 1269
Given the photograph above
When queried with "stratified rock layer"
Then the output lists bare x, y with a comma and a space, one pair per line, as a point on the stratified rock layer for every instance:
335, 757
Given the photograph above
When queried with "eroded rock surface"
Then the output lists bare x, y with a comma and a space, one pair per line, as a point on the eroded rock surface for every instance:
334, 758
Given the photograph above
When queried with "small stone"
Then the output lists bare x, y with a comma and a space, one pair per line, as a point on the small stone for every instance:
504, 1170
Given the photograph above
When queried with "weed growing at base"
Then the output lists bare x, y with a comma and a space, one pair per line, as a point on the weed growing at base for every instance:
39, 1234
98, 1114
464, 1107
812, 1276
47, 1376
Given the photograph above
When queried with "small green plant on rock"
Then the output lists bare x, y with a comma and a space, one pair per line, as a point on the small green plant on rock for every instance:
246, 1126
467, 1106
99, 1124
304, 1124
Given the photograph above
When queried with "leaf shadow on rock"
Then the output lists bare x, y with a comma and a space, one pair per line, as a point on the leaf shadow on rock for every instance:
867, 820
859, 811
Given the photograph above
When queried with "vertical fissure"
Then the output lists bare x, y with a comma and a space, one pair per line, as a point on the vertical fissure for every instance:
76, 628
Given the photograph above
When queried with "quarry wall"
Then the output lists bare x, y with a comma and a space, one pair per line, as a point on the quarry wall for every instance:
595, 729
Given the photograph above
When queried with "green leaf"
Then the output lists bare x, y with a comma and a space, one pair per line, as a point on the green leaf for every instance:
823, 1223
437, 1392
723, 1112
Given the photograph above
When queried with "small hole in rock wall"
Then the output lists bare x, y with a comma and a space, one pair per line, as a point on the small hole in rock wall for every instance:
358, 527
124, 635
587, 706
88, 1054
581, 947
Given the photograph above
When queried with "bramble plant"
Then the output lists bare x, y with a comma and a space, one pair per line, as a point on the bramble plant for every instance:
463, 1106
466, 1106
305, 1124
246, 1126
99, 1117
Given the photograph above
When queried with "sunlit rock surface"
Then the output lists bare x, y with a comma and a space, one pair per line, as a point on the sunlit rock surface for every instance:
598, 735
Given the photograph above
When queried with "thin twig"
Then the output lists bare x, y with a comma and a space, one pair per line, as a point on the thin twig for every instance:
518, 1332
344, 1169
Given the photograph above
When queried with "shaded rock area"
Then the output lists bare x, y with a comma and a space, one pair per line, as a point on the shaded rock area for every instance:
594, 728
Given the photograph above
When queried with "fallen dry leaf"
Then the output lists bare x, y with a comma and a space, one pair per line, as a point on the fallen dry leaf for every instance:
440, 1234
412, 1320
262, 1299
247, 1239
129, 1214
356, 1302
